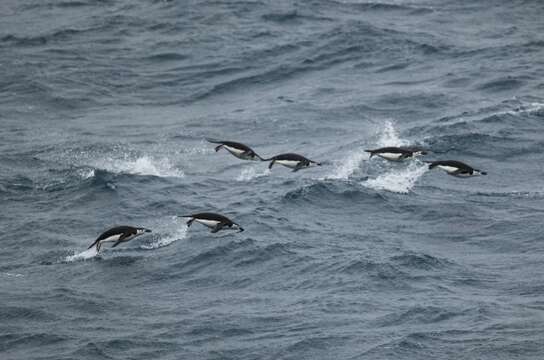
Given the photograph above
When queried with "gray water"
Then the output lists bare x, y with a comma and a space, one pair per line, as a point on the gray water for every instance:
104, 107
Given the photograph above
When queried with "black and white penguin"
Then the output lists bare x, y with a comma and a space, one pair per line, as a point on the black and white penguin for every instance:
214, 221
292, 161
239, 150
396, 153
456, 168
118, 235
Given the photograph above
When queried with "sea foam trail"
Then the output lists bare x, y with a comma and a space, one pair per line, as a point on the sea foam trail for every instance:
398, 181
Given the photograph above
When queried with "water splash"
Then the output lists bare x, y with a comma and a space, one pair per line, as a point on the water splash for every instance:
389, 136
87, 254
143, 165
166, 231
345, 168
250, 173
398, 181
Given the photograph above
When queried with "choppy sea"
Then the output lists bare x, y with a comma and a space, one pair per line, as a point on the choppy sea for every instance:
104, 107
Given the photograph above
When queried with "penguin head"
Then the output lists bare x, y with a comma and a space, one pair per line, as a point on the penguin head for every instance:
235, 226
417, 151
140, 231
420, 153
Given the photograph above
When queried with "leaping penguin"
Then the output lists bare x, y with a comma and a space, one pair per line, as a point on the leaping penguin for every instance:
118, 235
292, 161
396, 153
214, 221
239, 150
456, 168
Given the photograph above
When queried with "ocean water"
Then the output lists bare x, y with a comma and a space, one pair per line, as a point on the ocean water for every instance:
104, 107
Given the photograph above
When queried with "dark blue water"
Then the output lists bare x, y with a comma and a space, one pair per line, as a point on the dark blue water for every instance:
104, 106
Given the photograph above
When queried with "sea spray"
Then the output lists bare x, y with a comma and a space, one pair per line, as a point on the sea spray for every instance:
398, 181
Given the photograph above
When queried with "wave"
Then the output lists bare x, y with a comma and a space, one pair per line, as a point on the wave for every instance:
169, 230
398, 181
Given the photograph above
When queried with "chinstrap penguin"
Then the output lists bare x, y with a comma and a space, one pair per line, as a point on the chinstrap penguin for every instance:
239, 150
118, 234
292, 161
396, 153
456, 168
215, 222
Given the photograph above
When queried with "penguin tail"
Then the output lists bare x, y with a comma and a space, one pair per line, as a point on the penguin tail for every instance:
95, 243
213, 141
432, 164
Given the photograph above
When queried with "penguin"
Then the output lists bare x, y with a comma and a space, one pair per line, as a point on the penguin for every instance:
214, 221
292, 161
118, 235
239, 150
396, 153
456, 168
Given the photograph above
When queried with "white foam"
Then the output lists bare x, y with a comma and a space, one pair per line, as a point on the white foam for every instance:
143, 165
87, 254
85, 173
252, 172
527, 107
398, 181
167, 231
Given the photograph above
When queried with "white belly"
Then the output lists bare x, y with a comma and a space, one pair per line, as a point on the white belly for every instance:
208, 223
111, 238
289, 163
449, 169
234, 151
390, 156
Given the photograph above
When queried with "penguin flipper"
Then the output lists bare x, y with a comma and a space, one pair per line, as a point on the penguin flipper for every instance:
216, 228
299, 166
95, 243
217, 148
190, 222
372, 153
121, 239
271, 164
